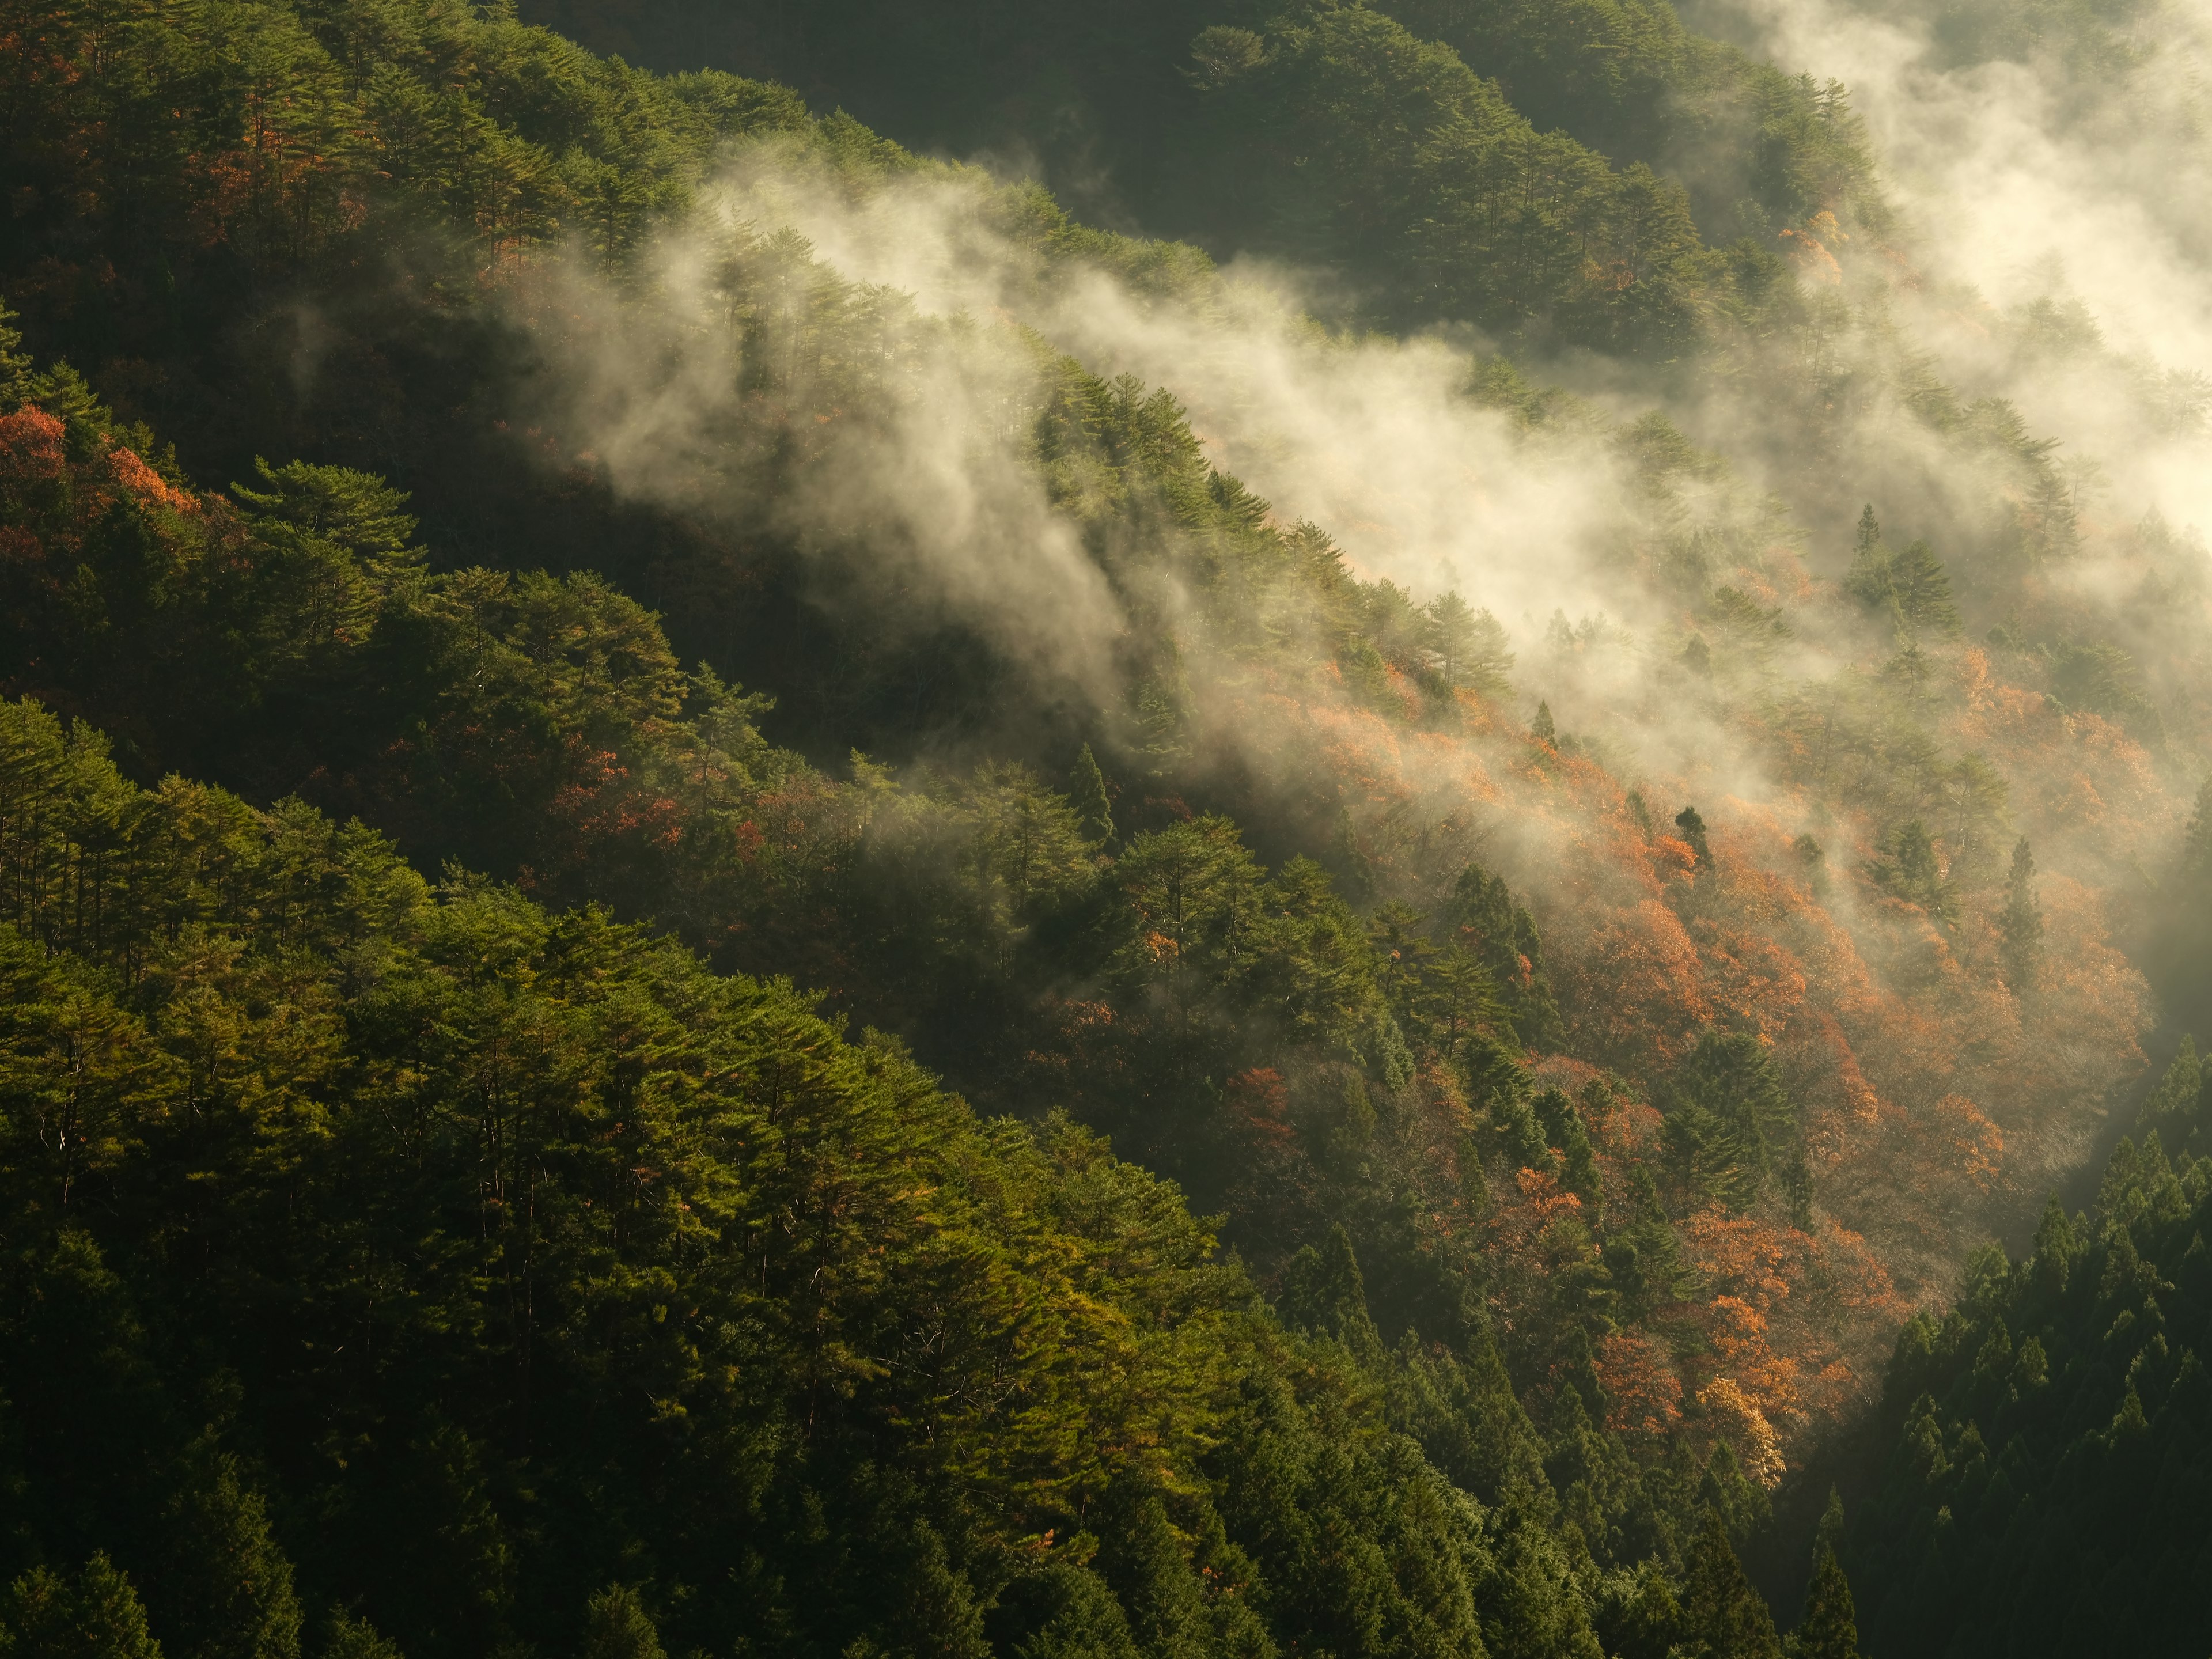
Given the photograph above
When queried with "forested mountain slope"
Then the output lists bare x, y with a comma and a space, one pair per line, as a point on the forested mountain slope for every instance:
740, 585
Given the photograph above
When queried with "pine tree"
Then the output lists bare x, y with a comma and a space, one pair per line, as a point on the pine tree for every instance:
1087, 793
1830, 1628
15, 363
1323, 1292
226, 1589
617, 1626
43, 1616
2020, 923
1450, 634
1829, 1534
1723, 1616
1164, 1600
2171, 1106
348, 1637
2197, 841
1694, 831
1468, 646
1921, 591
1905, 865
1544, 728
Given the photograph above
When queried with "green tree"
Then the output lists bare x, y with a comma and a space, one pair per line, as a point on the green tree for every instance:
1088, 795
225, 1588
2020, 924
1830, 1627
1922, 591
46, 1616
347, 1637
1468, 646
1906, 866
1723, 1616
1323, 1292
617, 1626
1728, 1119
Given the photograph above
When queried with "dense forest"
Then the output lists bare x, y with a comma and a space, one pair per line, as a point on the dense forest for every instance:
1388, 845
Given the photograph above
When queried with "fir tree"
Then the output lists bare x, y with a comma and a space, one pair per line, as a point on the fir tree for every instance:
350, 1638
45, 1616
1723, 1616
1830, 1628
1921, 591
1544, 728
1323, 1292
226, 1591
1904, 864
2020, 924
617, 1626
1087, 793
2197, 840
15, 361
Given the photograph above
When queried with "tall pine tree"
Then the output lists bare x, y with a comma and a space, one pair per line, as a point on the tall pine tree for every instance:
2021, 924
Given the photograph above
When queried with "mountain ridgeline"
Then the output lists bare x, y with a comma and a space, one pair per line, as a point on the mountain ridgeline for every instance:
759, 901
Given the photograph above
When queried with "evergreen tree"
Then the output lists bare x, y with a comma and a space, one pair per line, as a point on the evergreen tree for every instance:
1723, 1616
1544, 728
1921, 591
1830, 1628
1088, 795
1162, 1598
2021, 924
1905, 865
1323, 1292
2197, 840
225, 1591
350, 1638
15, 361
45, 1616
1797, 1188
617, 1626
1468, 646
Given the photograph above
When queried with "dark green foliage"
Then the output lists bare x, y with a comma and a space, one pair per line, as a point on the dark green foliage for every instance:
224, 1588
617, 1626
1830, 1627
1337, 134
97, 1616
349, 1638
1088, 797
1486, 921
2175, 1110
2049, 1441
1905, 865
1729, 1121
2021, 924
1693, 829
1721, 1615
